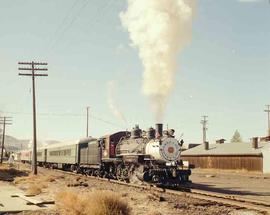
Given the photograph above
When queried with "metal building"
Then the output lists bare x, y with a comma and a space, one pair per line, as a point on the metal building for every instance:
233, 156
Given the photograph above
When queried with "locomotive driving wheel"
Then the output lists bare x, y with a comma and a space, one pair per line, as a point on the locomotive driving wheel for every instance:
122, 172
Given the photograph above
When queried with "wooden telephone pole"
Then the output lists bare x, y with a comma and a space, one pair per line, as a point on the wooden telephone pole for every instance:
87, 120
268, 117
4, 121
204, 122
33, 69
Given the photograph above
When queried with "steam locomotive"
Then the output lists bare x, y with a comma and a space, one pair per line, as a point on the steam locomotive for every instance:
152, 156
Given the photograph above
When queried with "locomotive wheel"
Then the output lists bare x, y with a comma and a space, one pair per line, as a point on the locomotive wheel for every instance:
97, 173
122, 173
155, 178
158, 179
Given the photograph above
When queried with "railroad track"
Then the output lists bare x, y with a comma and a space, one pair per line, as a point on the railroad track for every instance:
235, 201
218, 198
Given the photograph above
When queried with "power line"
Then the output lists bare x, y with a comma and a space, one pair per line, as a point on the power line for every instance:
33, 74
97, 18
67, 114
104, 8
71, 23
65, 18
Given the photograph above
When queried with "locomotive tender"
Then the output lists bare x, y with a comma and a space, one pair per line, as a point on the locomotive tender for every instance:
152, 156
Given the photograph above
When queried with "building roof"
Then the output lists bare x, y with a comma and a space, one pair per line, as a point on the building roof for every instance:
227, 149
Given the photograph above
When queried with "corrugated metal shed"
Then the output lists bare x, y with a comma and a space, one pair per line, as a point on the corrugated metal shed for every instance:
235, 156
227, 149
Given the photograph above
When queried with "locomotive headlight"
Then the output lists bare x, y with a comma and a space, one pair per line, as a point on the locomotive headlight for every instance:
170, 149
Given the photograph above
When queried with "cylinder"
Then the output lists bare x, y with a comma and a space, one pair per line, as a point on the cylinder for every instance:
159, 130
206, 145
255, 142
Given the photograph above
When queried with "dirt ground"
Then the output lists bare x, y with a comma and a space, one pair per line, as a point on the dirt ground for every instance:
49, 183
254, 186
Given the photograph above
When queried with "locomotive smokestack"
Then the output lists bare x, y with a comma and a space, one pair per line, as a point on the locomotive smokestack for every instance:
159, 130
255, 142
206, 145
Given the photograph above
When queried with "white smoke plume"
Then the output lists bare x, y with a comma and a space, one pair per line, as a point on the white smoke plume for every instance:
160, 29
111, 87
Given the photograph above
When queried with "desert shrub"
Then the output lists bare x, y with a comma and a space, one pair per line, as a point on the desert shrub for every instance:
154, 213
95, 203
49, 178
24, 180
34, 189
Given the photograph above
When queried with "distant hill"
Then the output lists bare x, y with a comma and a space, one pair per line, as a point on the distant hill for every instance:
14, 144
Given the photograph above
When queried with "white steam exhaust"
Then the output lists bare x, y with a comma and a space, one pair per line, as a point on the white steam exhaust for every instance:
160, 29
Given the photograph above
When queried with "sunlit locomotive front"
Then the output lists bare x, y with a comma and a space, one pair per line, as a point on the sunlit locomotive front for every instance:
152, 156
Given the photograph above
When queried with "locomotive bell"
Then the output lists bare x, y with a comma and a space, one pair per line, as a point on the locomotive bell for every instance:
171, 132
165, 133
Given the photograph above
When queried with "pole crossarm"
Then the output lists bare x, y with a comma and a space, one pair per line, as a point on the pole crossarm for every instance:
36, 69
35, 63
28, 74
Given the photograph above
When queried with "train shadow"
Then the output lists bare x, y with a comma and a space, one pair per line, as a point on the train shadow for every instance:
9, 174
185, 187
228, 191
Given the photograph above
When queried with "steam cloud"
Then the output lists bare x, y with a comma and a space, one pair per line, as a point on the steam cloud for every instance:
160, 29
111, 102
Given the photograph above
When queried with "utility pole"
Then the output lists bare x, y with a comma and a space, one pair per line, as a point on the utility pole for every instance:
87, 120
33, 69
268, 116
204, 122
4, 121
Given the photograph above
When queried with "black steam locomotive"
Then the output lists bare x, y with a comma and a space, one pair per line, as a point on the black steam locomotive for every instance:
152, 156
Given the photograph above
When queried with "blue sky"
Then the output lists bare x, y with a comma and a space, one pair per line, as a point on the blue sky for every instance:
224, 72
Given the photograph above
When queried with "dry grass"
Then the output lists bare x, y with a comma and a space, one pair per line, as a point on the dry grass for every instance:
153, 196
24, 180
154, 213
79, 181
49, 178
36, 183
95, 203
34, 190
35, 178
